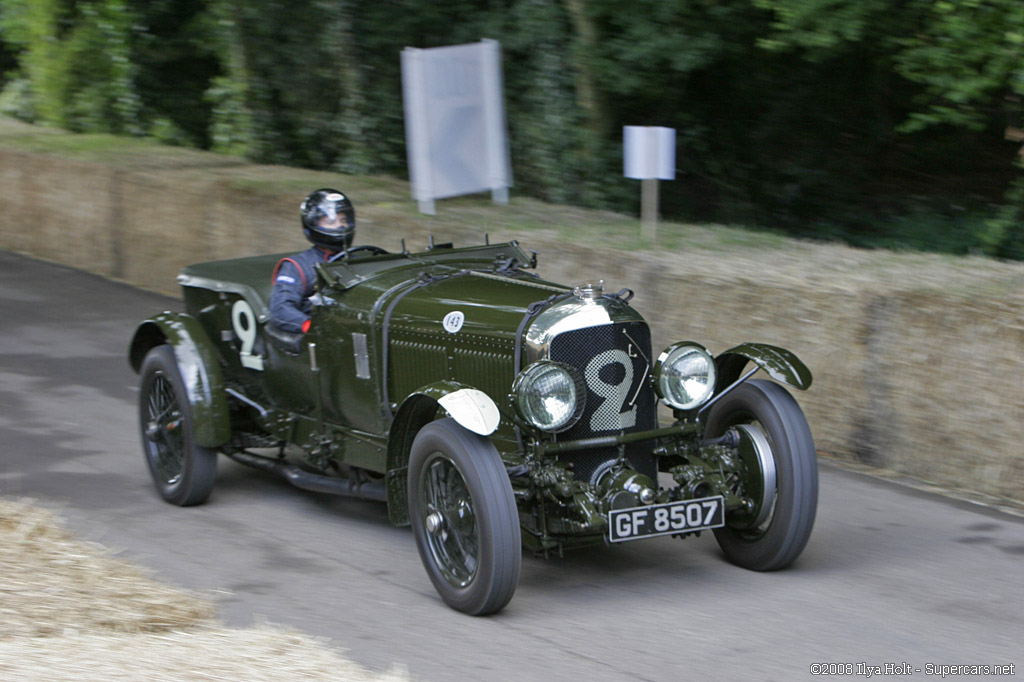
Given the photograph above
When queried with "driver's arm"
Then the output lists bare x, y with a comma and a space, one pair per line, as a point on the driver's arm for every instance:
289, 304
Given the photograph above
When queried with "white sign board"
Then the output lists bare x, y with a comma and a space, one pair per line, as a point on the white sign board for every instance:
455, 122
649, 152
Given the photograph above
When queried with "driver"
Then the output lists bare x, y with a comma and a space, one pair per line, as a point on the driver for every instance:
329, 222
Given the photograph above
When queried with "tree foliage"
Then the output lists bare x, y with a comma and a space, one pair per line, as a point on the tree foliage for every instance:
969, 55
827, 118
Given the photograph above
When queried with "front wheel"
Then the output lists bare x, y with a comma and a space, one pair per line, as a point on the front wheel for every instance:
464, 518
182, 471
780, 473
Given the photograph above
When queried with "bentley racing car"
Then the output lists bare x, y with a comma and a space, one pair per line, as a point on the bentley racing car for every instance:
490, 409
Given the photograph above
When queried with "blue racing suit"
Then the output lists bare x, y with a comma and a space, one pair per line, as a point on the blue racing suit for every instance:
294, 279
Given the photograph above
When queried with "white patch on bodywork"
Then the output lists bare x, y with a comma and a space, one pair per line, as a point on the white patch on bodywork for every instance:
472, 409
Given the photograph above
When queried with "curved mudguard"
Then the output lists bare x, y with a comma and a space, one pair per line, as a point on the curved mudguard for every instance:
200, 371
470, 408
780, 364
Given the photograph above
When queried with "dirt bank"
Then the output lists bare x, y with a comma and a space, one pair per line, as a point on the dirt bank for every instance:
917, 358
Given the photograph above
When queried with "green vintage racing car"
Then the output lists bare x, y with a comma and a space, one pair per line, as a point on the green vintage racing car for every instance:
490, 409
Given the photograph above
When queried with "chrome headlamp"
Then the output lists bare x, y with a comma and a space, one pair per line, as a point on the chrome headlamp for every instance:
684, 375
549, 396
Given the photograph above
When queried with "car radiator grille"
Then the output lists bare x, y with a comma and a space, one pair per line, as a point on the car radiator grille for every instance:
615, 362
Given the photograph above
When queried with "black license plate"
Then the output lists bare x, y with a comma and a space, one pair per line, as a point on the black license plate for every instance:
687, 516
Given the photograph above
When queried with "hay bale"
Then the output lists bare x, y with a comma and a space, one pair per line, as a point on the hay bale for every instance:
70, 611
52, 583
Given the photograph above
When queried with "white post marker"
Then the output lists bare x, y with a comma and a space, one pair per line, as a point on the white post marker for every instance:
649, 155
455, 122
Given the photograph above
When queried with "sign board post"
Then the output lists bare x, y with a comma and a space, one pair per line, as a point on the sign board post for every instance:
455, 122
649, 155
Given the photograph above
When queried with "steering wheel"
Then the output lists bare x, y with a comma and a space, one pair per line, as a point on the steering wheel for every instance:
374, 250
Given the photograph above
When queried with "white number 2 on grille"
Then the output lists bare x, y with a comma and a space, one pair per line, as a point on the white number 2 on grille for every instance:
609, 415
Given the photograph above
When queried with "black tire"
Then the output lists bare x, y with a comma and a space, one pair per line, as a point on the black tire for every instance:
458, 488
770, 538
182, 471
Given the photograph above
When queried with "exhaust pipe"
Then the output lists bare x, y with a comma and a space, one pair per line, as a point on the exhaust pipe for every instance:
334, 485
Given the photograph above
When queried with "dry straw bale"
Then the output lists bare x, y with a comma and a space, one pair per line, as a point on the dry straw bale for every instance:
52, 583
70, 611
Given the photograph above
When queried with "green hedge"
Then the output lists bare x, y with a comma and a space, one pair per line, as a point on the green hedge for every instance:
877, 122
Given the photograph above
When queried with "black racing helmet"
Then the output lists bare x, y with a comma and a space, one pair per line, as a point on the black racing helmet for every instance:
329, 219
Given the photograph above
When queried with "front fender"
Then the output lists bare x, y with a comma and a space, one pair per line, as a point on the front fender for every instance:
199, 367
471, 408
779, 363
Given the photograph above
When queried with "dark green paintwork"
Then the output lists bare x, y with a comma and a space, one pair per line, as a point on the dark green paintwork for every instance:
364, 411
414, 292
779, 363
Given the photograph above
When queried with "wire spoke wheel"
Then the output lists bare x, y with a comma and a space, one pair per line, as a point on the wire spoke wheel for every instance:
756, 478
182, 470
452, 537
464, 518
164, 444
780, 475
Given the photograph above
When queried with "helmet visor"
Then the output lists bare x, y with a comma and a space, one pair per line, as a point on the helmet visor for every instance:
332, 216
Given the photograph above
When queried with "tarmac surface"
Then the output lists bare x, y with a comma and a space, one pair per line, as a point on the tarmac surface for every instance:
893, 577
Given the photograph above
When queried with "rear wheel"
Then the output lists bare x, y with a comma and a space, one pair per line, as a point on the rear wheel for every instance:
182, 471
780, 475
464, 518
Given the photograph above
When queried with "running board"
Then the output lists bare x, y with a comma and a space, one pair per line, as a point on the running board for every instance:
334, 485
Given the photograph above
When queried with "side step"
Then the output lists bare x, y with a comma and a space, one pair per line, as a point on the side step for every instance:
366, 490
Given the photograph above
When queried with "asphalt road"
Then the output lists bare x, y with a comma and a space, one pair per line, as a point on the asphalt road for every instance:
891, 575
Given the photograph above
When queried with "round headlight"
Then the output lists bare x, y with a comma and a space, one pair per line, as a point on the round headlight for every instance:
684, 376
549, 396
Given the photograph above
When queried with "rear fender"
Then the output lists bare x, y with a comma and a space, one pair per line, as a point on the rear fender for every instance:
779, 363
199, 367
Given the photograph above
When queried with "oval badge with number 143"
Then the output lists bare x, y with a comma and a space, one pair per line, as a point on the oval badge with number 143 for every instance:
453, 321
